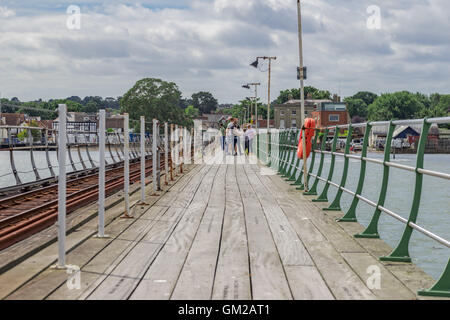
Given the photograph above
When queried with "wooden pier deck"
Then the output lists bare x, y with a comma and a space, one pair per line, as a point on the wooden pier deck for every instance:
221, 232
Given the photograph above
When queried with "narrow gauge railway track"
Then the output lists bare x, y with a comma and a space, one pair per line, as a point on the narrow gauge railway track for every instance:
25, 214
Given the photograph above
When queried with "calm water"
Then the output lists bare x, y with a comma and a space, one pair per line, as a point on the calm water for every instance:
23, 164
434, 212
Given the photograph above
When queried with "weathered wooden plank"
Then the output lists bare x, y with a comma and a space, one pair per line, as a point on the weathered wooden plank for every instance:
267, 274
307, 284
343, 282
126, 271
140, 226
197, 277
232, 280
161, 276
180, 186
65, 293
327, 225
390, 287
184, 197
303, 225
290, 247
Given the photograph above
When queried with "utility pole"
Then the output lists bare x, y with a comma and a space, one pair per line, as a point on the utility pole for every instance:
302, 93
255, 64
247, 86
256, 104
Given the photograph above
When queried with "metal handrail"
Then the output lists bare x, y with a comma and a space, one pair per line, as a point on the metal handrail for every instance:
277, 151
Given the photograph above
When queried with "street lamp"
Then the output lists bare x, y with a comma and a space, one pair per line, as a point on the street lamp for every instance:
247, 86
255, 64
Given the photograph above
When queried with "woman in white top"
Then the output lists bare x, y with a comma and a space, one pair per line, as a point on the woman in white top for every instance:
249, 135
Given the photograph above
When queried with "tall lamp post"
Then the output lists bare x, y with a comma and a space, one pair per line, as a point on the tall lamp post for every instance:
302, 93
255, 64
247, 86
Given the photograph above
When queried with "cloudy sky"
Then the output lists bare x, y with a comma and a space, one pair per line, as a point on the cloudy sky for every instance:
208, 45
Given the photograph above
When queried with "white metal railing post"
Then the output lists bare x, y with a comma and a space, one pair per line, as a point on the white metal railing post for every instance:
198, 142
172, 152
186, 143
142, 160
62, 141
101, 174
126, 165
177, 150
155, 155
181, 149
166, 152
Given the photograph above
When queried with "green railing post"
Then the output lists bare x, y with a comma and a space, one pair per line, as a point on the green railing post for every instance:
442, 287
289, 158
372, 229
283, 156
278, 151
269, 148
311, 166
324, 195
350, 216
313, 190
336, 204
258, 136
295, 160
401, 253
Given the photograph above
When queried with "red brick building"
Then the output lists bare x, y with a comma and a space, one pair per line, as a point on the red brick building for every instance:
331, 114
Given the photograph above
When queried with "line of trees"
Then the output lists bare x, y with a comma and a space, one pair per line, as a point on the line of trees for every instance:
47, 109
156, 98
397, 105
369, 106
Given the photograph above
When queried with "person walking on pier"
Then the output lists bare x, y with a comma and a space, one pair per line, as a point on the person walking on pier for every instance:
249, 135
237, 139
230, 136
222, 130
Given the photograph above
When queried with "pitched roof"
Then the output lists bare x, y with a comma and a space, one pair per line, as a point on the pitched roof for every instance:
13, 119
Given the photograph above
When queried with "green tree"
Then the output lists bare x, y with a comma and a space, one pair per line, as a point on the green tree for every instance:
155, 99
91, 107
366, 96
36, 134
294, 93
356, 107
192, 112
398, 105
204, 101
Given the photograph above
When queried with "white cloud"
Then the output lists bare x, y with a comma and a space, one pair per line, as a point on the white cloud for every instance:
6, 13
209, 44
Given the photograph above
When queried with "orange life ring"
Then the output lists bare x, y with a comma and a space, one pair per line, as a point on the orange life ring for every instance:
310, 124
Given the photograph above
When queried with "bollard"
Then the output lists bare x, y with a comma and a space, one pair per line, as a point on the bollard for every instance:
126, 166
101, 174
143, 161
62, 141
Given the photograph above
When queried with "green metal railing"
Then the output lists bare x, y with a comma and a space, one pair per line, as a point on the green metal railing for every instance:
277, 149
